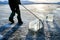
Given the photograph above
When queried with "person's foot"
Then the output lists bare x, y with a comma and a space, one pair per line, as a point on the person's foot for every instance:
20, 23
12, 21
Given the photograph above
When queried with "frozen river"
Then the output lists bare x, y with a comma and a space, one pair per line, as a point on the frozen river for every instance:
50, 13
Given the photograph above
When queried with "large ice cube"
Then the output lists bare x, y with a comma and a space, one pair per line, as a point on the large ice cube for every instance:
50, 17
34, 25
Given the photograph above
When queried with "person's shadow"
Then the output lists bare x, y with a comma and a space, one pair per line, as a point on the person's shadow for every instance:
6, 26
10, 32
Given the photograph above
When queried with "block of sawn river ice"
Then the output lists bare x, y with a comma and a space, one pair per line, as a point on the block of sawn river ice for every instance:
50, 17
35, 25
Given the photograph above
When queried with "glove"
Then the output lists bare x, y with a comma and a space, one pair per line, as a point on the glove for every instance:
19, 2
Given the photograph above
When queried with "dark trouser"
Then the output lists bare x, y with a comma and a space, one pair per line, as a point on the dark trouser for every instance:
15, 9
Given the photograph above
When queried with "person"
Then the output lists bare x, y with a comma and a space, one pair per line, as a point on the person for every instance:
14, 6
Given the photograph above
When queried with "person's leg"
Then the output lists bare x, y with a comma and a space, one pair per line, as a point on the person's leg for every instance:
12, 14
18, 14
11, 17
